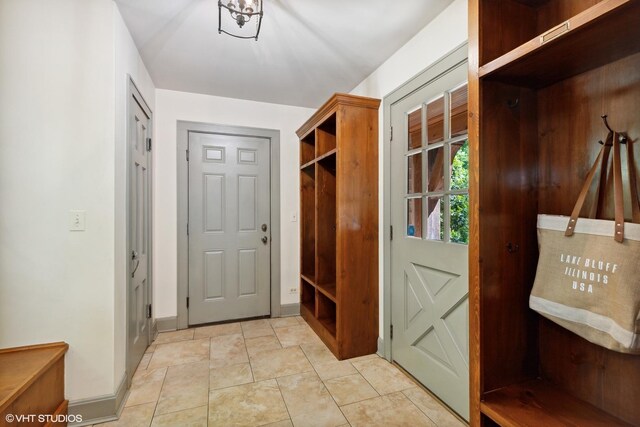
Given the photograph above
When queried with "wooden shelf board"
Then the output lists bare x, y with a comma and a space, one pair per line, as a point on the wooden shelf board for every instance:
589, 42
306, 165
329, 324
321, 157
308, 280
539, 403
328, 289
320, 329
327, 154
306, 310
308, 306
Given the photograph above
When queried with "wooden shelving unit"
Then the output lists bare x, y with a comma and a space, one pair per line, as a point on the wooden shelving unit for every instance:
339, 224
542, 72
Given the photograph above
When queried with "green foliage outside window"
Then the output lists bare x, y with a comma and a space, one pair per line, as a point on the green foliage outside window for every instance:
460, 203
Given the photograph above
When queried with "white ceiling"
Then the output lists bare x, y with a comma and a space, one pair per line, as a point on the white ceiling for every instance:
307, 49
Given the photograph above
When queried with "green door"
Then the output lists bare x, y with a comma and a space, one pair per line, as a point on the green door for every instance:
429, 255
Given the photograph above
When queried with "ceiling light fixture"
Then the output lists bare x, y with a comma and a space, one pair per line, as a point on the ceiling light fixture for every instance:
240, 12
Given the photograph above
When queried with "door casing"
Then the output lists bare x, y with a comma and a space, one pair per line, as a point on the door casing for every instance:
183, 129
132, 91
450, 60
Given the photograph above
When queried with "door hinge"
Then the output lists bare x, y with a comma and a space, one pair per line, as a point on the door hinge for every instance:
187, 229
148, 144
391, 133
391, 332
391, 232
187, 302
149, 311
187, 154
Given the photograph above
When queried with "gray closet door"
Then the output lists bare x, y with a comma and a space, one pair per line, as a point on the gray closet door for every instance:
139, 228
229, 227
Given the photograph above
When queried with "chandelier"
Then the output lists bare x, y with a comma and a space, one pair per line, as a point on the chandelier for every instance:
240, 12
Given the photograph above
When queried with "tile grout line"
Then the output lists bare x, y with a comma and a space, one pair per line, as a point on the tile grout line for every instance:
368, 382
419, 409
246, 350
399, 391
155, 407
209, 380
283, 401
323, 383
334, 399
276, 379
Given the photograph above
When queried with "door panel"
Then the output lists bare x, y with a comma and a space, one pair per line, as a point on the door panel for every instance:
139, 227
229, 197
429, 268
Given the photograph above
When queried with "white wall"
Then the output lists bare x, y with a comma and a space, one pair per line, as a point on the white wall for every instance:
172, 106
63, 69
128, 64
446, 32
56, 154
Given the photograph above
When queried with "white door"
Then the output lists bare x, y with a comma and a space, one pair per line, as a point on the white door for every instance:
429, 256
139, 242
229, 227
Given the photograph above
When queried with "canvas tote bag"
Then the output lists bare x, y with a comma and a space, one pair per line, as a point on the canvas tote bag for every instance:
588, 276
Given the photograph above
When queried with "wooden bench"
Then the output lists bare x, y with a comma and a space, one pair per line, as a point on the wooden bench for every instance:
32, 383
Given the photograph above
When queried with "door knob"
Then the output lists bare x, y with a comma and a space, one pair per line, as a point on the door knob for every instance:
264, 239
264, 227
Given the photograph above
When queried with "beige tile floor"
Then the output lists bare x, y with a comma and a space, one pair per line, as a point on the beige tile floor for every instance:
270, 372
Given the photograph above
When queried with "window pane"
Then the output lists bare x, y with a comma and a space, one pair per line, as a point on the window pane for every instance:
435, 168
435, 218
414, 173
414, 217
435, 121
459, 98
460, 218
415, 129
460, 165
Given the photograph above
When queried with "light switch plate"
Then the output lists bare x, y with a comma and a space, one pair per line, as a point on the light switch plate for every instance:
294, 216
77, 220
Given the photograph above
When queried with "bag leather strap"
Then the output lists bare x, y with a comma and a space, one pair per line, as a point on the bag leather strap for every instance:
633, 183
583, 193
617, 190
613, 140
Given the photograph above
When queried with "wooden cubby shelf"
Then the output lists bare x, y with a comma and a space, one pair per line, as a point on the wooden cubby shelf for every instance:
535, 111
603, 33
327, 154
328, 289
308, 296
308, 222
339, 188
308, 280
308, 149
319, 158
538, 403
308, 164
